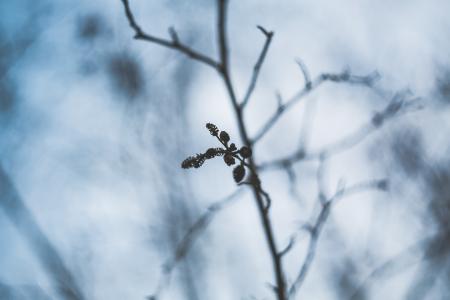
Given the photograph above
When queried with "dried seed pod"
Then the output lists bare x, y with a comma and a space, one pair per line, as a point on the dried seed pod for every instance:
212, 129
193, 161
238, 173
229, 159
213, 152
245, 152
224, 137
232, 147
187, 163
210, 153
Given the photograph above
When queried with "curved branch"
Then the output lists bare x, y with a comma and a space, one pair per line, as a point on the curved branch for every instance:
316, 229
395, 108
173, 44
367, 80
257, 67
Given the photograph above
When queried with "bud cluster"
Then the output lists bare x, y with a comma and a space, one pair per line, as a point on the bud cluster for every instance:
231, 154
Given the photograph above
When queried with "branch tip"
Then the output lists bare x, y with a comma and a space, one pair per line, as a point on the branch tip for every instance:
267, 33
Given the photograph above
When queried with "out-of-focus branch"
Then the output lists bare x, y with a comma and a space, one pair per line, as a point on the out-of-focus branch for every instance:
316, 228
174, 43
49, 257
407, 257
257, 67
192, 234
395, 108
305, 73
309, 86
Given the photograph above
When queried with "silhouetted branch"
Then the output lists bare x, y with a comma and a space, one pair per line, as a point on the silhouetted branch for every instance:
192, 234
222, 33
289, 246
49, 257
316, 229
223, 69
257, 67
367, 80
173, 44
280, 289
395, 108
262, 198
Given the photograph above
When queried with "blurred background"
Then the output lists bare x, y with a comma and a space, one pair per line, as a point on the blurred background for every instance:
94, 126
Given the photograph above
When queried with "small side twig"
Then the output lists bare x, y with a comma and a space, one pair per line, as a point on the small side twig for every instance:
173, 44
257, 67
317, 227
395, 108
305, 73
367, 80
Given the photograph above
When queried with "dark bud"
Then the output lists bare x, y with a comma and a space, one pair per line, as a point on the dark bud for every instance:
229, 159
238, 173
213, 152
232, 147
193, 161
210, 153
224, 137
212, 129
245, 152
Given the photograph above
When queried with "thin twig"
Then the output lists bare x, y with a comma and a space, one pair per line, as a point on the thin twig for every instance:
173, 44
316, 229
305, 73
311, 252
392, 110
257, 67
367, 80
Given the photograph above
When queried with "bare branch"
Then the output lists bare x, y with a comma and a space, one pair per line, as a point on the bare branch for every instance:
257, 67
173, 44
316, 229
192, 234
311, 252
289, 246
320, 177
305, 73
394, 109
367, 80
222, 33
268, 200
